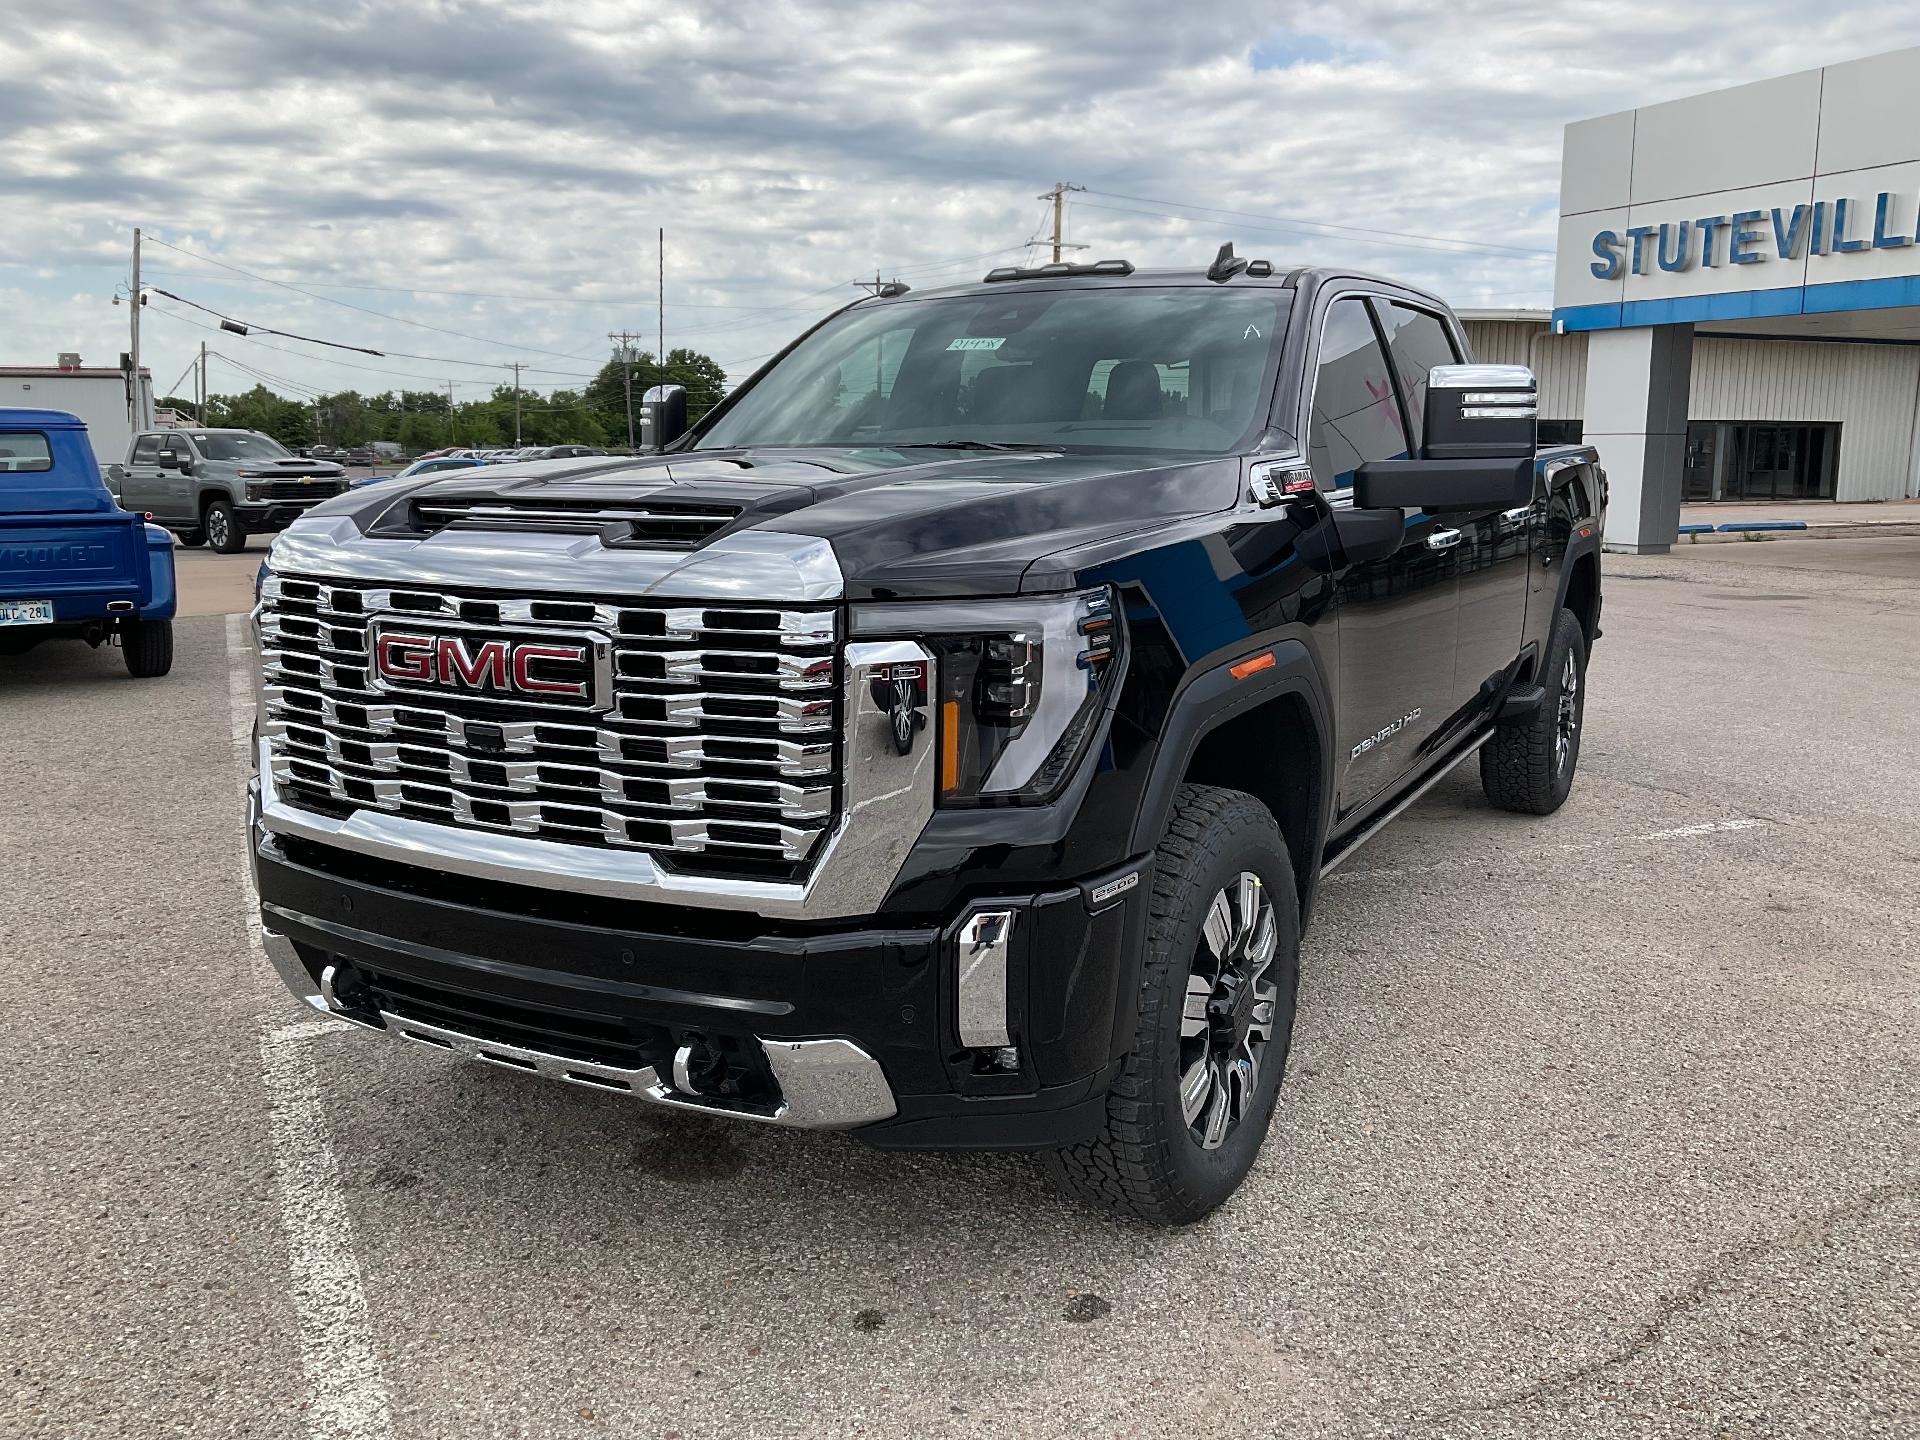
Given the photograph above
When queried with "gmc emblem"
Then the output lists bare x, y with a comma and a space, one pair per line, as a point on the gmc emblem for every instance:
550, 670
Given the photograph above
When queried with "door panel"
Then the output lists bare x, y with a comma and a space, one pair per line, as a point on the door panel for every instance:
140, 490
1494, 551
1397, 616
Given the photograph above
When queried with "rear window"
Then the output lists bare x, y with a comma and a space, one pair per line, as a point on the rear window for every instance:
24, 453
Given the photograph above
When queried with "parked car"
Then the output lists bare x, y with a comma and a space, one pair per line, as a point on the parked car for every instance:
956, 765
217, 487
361, 458
74, 565
420, 467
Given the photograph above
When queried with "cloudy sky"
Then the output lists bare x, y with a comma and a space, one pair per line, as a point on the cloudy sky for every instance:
461, 185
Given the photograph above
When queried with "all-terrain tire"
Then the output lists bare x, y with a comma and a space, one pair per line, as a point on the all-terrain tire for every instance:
225, 533
1528, 765
1147, 1162
191, 538
148, 647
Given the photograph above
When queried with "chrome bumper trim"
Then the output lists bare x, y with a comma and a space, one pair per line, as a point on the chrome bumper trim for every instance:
985, 938
824, 1084
889, 799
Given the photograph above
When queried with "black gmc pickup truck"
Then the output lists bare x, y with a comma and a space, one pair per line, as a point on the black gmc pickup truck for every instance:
944, 739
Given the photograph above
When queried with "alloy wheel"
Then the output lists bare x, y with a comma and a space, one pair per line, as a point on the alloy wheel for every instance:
1228, 1018
1566, 730
216, 527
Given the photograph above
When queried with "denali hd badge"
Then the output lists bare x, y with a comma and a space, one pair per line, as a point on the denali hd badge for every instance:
1381, 736
544, 669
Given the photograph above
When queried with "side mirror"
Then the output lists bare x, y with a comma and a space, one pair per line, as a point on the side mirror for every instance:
175, 460
1478, 442
666, 407
1481, 412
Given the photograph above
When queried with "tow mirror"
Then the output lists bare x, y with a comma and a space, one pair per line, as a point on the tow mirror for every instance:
666, 413
1481, 412
1479, 439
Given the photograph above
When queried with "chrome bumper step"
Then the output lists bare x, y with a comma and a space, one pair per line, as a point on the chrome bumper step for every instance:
828, 1084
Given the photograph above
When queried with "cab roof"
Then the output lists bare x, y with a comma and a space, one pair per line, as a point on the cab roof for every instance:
13, 417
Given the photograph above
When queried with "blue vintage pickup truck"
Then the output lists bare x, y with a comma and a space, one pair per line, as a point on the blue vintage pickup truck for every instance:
73, 564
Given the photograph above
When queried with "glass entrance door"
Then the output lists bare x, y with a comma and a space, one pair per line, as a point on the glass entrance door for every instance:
1748, 460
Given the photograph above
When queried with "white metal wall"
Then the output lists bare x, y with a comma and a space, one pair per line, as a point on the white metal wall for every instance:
1559, 362
1871, 391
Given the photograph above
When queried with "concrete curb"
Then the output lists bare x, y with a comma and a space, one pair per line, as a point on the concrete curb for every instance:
1840, 530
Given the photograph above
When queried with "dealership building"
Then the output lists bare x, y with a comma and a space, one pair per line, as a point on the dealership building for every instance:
1736, 309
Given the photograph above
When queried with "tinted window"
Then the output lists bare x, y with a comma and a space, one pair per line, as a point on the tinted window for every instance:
1417, 341
1355, 416
1179, 369
239, 445
20, 453
146, 450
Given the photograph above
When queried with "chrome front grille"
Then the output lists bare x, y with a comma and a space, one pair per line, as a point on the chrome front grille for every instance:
715, 737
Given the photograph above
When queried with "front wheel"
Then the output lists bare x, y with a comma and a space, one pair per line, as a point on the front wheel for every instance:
1185, 1119
1528, 764
225, 533
148, 647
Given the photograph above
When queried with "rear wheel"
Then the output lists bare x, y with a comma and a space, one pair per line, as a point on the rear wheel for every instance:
1528, 765
148, 647
1185, 1119
191, 538
225, 533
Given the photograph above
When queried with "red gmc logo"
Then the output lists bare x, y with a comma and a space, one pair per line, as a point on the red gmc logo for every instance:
539, 669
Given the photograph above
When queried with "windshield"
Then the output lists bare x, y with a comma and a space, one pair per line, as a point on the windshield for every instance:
239, 445
1177, 369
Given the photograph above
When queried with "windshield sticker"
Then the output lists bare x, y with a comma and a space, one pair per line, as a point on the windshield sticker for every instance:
977, 342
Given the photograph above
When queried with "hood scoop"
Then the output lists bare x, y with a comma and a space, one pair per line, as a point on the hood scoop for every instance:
621, 515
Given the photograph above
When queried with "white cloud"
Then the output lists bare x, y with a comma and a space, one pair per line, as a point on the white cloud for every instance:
531, 150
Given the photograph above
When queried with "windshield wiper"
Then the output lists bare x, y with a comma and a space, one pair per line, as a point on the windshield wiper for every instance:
967, 445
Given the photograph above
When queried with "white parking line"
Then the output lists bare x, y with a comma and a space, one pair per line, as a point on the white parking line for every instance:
337, 1351
1682, 832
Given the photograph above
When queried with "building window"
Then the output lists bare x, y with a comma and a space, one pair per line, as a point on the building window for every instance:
1759, 460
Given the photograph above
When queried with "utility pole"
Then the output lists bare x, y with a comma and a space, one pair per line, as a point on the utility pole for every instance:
1061, 189
138, 408
517, 368
201, 412
624, 340
660, 297
452, 438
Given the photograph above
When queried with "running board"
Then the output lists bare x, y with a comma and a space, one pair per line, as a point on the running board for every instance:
1375, 826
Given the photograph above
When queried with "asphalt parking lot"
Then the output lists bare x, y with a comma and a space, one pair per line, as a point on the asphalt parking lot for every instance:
1603, 1125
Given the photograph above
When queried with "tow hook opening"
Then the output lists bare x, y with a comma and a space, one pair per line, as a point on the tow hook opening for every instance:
346, 993
723, 1067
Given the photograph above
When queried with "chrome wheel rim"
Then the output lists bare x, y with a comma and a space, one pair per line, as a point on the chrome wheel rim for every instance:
217, 527
1228, 1018
1566, 730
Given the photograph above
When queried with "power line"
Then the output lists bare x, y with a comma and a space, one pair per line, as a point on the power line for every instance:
362, 309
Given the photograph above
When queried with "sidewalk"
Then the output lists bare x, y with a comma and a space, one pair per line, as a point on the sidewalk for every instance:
1823, 519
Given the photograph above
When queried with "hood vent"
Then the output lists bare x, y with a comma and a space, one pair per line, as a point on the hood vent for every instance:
617, 522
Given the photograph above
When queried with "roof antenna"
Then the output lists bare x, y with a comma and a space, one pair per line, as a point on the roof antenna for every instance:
1225, 266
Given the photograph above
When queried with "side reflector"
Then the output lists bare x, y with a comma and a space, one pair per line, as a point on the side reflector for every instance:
950, 747
1253, 666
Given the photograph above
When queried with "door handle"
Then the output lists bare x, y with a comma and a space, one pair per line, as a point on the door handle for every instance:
1443, 539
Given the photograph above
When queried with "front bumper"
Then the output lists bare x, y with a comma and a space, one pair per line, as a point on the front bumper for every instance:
259, 516
859, 1025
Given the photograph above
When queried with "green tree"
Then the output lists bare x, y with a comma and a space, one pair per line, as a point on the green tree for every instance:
606, 394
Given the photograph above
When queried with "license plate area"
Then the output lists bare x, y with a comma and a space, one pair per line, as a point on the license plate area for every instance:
26, 612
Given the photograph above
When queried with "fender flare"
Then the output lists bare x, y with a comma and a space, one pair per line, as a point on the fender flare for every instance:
1207, 700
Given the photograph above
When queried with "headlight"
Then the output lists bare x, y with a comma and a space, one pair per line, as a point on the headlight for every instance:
1019, 688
